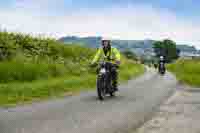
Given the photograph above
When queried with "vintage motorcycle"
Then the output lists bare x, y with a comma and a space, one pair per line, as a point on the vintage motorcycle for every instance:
104, 80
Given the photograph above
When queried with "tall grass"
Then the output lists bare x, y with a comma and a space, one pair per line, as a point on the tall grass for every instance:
130, 69
187, 71
20, 93
14, 93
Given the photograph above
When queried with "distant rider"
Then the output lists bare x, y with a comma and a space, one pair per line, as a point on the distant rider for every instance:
161, 60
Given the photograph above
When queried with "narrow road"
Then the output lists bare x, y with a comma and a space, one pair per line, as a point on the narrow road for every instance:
133, 105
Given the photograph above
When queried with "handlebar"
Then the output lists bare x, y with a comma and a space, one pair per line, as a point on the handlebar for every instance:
109, 63
104, 63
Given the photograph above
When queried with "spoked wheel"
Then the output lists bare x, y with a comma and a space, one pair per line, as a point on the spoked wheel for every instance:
163, 72
112, 94
101, 90
112, 91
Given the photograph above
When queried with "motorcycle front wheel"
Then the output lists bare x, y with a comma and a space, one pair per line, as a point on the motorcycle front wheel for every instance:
101, 90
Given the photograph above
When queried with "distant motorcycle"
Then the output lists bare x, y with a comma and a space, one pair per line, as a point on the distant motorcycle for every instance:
104, 80
162, 68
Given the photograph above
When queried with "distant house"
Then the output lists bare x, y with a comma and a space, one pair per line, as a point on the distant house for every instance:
189, 55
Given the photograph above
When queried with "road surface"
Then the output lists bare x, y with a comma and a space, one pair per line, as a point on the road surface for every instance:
134, 104
178, 114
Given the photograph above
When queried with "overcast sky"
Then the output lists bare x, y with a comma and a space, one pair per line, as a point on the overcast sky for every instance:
120, 19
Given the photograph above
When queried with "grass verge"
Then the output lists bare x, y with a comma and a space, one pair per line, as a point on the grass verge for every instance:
16, 93
187, 71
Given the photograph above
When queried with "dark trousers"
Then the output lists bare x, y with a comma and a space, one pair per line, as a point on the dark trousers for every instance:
114, 74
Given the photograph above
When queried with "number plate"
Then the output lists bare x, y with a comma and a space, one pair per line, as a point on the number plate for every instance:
103, 70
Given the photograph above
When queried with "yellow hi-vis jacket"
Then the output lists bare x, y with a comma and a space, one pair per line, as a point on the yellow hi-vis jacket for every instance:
111, 56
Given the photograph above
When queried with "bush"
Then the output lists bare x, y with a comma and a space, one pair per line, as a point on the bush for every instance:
26, 58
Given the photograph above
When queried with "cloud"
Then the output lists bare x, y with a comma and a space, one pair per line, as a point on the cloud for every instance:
37, 5
130, 22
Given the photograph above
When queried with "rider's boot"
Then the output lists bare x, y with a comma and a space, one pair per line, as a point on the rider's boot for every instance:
115, 84
115, 79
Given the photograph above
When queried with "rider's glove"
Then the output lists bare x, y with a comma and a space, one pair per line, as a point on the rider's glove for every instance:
118, 62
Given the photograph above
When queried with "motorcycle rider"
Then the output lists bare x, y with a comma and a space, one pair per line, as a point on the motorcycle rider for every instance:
110, 54
161, 60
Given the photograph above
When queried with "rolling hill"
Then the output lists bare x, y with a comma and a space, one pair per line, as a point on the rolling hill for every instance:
139, 47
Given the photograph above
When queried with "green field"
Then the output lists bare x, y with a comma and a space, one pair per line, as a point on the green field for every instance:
187, 71
35, 69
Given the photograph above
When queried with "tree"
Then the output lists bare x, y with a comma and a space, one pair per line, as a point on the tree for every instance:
130, 54
166, 48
